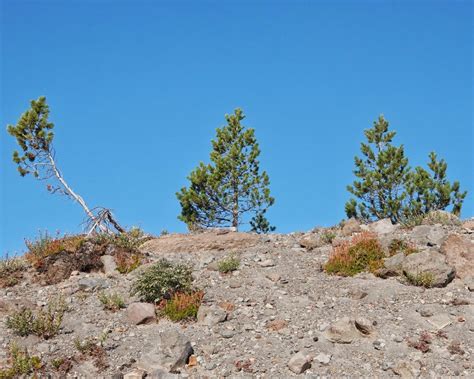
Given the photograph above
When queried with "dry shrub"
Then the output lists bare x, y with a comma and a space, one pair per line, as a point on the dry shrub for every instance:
362, 253
183, 306
11, 271
127, 260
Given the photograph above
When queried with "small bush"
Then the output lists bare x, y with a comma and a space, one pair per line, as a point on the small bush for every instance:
400, 246
11, 271
45, 323
21, 363
112, 302
163, 280
362, 253
328, 236
421, 279
228, 264
126, 261
183, 306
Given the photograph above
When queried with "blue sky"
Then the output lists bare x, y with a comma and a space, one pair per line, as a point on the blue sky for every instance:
137, 89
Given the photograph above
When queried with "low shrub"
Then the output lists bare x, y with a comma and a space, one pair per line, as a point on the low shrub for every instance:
112, 302
162, 281
400, 246
183, 306
362, 253
328, 236
228, 264
421, 279
127, 261
21, 363
45, 323
11, 271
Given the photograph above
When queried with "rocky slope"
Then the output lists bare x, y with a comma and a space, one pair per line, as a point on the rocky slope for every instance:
278, 316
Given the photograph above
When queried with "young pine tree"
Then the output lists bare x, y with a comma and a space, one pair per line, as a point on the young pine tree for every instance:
389, 188
223, 192
34, 134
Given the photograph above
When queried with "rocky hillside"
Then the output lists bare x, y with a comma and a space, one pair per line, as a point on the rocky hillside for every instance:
276, 313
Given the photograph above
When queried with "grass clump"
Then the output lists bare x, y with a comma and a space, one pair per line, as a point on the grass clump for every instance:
183, 306
162, 281
11, 271
400, 246
112, 302
45, 323
21, 363
328, 236
362, 253
421, 279
228, 264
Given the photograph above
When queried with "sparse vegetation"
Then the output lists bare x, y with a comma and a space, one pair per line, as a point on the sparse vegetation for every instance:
327, 236
21, 363
421, 279
183, 306
162, 281
228, 264
44, 323
362, 253
400, 246
127, 262
94, 349
112, 301
11, 271
423, 343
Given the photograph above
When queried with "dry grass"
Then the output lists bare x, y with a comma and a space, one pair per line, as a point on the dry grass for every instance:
183, 306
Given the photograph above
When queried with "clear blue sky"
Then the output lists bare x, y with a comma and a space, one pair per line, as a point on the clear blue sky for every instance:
137, 89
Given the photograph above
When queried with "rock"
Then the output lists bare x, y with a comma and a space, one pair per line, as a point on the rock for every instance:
426, 312
267, 263
311, 241
90, 284
379, 344
469, 282
429, 263
140, 313
299, 363
273, 276
363, 325
211, 315
135, 374
392, 266
342, 331
170, 352
469, 224
384, 226
162, 374
322, 358
110, 267
439, 321
350, 227
441, 217
428, 235
407, 370
459, 253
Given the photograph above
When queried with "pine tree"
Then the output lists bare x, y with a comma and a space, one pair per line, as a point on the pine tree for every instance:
34, 134
223, 192
389, 188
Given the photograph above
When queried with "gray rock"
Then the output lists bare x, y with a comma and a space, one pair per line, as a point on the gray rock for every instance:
364, 325
379, 344
322, 358
140, 313
428, 235
393, 265
171, 351
299, 363
384, 226
429, 263
90, 284
135, 374
109, 265
267, 263
426, 311
350, 227
342, 331
211, 315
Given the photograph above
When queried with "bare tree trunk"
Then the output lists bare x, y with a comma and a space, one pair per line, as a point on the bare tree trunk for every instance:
235, 210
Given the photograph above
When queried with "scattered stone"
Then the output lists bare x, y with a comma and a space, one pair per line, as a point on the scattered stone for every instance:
267, 263
379, 344
299, 363
140, 313
311, 241
426, 312
135, 374
322, 358
342, 331
211, 315
363, 325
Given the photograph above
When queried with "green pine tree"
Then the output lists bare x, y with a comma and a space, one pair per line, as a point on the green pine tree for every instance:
388, 188
223, 192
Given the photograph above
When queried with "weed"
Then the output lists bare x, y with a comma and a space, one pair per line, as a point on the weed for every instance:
11, 271
400, 246
44, 323
112, 302
328, 236
21, 363
421, 279
228, 264
362, 253
162, 281
183, 306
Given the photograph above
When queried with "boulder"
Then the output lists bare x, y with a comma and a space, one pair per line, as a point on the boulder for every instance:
311, 241
110, 267
135, 374
170, 352
459, 253
350, 227
299, 363
383, 226
211, 315
428, 235
469, 225
429, 262
392, 266
342, 331
140, 313
441, 217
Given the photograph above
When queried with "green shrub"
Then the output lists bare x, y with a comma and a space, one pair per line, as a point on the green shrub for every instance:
183, 306
328, 236
21, 363
228, 264
362, 253
400, 246
44, 323
421, 279
162, 280
112, 302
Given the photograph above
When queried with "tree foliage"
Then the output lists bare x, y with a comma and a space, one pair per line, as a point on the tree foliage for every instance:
222, 192
387, 187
